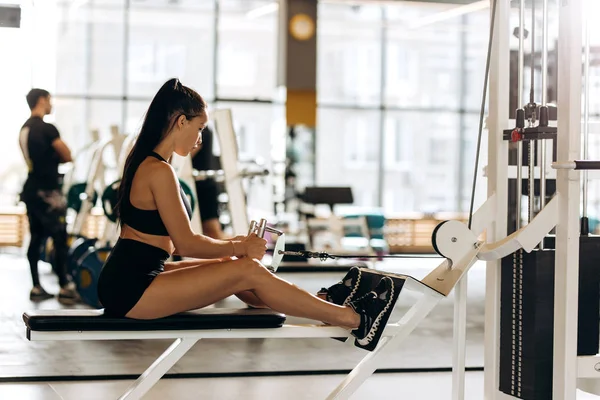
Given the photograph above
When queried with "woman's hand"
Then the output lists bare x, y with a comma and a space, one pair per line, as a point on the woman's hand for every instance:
238, 238
255, 247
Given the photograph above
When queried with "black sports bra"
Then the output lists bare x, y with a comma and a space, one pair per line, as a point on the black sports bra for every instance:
149, 221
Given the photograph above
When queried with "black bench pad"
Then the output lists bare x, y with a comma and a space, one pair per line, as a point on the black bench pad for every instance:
207, 318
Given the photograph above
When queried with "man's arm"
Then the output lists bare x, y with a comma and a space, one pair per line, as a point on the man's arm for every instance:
61, 148
64, 153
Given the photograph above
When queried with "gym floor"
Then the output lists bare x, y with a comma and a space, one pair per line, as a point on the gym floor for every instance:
65, 370
379, 386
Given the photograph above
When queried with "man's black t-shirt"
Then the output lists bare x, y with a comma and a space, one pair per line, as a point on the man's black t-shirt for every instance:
36, 139
205, 160
207, 190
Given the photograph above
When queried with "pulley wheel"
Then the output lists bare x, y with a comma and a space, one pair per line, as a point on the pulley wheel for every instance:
279, 246
434, 238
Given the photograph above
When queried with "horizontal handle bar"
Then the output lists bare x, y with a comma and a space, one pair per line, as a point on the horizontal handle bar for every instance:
273, 230
577, 165
218, 175
254, 227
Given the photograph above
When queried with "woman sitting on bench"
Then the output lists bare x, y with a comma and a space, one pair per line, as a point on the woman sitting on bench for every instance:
137, 282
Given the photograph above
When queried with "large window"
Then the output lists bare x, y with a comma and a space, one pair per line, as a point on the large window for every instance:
468, 145
420, 156
431, 91
349, 54
247, 49
89, 69
347, 143
105, 50
423, 57
398, 84
167, 40
73, 30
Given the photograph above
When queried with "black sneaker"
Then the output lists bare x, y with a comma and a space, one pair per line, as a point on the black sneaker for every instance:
343, 292
68, 294
39, 294
375, 309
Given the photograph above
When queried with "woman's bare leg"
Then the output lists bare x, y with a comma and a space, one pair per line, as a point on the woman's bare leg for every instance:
250, 298
196, 287
194, 262
247, 296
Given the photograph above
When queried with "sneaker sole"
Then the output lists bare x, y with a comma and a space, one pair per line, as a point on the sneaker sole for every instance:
349, 299
67, 301
41, 298
370, 341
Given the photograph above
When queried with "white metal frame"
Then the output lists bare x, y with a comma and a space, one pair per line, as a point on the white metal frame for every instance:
97, 179
184, 340
497, 172
566, 286
233, 177
565, 206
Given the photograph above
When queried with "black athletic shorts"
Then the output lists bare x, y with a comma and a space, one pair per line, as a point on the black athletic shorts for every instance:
128, 271
46, 210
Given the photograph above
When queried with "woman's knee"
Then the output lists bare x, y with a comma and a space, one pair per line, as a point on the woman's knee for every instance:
254, 271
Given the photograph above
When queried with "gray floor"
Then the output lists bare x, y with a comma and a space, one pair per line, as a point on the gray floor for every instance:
380, 386
430, 386
428, 346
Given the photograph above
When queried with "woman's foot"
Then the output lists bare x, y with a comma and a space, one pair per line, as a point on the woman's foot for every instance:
343, 292
374, 309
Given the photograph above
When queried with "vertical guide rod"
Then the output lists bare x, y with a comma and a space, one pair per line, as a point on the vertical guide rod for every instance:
532, 88
531, 157
545, 53
544, 102
520, 88
586, 111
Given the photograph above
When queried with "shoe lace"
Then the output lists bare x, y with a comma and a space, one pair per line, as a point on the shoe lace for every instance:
367, 301
375, 327
342, 287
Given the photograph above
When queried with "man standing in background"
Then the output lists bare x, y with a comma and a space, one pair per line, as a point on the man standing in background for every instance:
208, 190
43, 151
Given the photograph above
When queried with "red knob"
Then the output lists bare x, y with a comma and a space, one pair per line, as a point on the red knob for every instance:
516, 136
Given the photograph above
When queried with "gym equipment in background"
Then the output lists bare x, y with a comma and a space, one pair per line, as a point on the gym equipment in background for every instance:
528, 279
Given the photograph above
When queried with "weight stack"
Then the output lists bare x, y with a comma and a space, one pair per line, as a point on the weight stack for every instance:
527, 317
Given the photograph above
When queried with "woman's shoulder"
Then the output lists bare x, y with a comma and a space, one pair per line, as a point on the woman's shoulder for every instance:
157, 170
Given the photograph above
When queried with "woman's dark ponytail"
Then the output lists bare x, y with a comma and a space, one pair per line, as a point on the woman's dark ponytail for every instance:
171, 101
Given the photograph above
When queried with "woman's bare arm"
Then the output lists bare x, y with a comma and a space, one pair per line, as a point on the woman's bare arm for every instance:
165, 189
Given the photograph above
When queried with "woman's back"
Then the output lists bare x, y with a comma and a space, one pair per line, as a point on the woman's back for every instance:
140, 215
